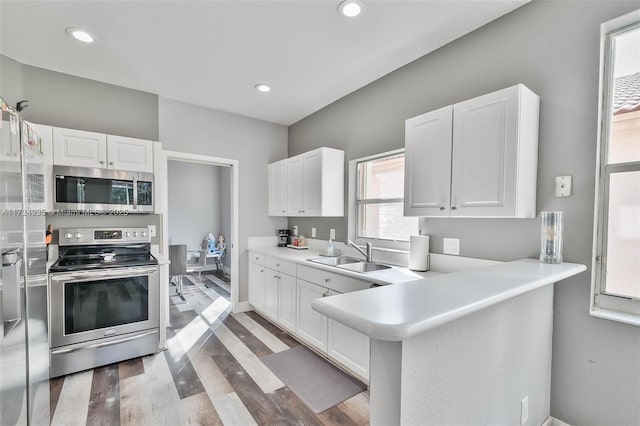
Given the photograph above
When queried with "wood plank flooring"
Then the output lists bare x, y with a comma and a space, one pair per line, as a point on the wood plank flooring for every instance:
210, 374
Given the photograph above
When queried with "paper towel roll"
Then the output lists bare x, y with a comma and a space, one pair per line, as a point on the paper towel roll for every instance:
419, 253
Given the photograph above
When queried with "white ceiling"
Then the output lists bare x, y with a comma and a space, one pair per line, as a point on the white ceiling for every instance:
212, 53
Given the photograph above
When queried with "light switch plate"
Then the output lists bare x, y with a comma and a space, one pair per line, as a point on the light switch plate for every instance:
152, 230
332, 234
451, 246
295, 230
563, 186
313, 232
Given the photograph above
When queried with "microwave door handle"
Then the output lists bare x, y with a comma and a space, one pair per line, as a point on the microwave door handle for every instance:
135, 192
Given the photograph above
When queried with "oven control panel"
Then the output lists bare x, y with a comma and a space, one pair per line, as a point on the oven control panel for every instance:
78, 236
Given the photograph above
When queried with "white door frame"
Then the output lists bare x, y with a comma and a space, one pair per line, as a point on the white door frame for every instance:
163, 183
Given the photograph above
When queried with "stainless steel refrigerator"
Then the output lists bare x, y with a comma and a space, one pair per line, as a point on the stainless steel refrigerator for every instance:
24, 349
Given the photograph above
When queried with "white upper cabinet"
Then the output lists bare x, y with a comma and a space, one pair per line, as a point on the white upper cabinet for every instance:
131, 154
428, 163
78, 148
294, 185
46, 137
278, 188
492, 156
314, 184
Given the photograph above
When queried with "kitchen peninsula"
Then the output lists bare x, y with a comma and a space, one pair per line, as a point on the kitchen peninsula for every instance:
469, 347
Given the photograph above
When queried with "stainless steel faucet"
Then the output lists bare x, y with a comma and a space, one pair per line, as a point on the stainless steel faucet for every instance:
367, 254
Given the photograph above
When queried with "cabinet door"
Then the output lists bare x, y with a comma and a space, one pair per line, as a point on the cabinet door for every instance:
278, 188
484, 155
350, 348
287, 303
256, 286
427, 181
77, 148
311, 325
46, 137
271, 287
312, 184
295, 186
130, 154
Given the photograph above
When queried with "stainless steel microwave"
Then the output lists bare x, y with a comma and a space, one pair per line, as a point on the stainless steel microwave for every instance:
102, 190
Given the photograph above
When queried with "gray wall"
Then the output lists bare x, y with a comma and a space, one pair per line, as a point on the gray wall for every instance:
10, 80
553, 48
63, 100
66, 101
254, 143
225, 211
193, 202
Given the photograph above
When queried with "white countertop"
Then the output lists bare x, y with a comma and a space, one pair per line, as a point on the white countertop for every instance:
394, 275
401, 311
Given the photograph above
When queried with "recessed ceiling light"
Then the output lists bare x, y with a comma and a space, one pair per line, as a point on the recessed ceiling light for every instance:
264, 88
350, 8
79, 34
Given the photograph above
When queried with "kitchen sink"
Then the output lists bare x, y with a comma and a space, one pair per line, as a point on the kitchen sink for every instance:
335, 261
364, 267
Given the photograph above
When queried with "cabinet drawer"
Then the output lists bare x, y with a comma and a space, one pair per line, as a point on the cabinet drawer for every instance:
279, 265
337, 282
256, 258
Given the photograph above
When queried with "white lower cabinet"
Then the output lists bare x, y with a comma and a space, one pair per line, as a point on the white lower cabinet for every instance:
256, 285
287, 302
312, 326
284, 291
271, 287
349, 347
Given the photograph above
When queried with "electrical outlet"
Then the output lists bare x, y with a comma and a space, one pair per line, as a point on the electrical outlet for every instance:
524, 410
563, 186
295, 231
332, 234
313, 232
451, 246
152, 230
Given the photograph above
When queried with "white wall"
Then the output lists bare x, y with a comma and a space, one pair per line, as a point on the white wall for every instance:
194, 202
254, 143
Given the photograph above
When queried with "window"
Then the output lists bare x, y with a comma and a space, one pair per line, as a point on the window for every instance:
377, 185
616, 288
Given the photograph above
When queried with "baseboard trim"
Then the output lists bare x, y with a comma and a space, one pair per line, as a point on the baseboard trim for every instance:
244, 307
552, 421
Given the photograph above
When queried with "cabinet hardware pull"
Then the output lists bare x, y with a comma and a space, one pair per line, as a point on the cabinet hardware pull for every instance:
101, 162
277, 264
441, 208
454, 208
326, 280
111, 163
261, 270
326, 293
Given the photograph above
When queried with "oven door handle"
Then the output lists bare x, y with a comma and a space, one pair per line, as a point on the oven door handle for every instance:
90, 275
103, 344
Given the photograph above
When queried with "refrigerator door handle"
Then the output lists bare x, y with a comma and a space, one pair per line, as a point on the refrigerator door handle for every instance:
11, 297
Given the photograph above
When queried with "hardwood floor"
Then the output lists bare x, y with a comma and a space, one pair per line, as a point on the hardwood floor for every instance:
210, 374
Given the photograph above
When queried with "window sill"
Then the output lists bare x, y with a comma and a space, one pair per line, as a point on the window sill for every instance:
618, 316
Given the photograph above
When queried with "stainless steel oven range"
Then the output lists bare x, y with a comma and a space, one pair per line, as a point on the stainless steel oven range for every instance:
103, 298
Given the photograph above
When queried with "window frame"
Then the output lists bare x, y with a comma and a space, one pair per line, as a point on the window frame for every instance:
603, 304
378, 243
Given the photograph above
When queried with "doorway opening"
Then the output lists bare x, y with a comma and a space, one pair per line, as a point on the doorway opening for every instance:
200, 217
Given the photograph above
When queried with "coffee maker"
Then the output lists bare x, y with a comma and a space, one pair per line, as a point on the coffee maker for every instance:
284, 237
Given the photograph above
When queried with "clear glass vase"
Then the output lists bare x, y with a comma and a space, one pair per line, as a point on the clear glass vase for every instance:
551, 237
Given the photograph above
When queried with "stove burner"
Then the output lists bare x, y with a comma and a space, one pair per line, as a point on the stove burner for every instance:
78, 258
